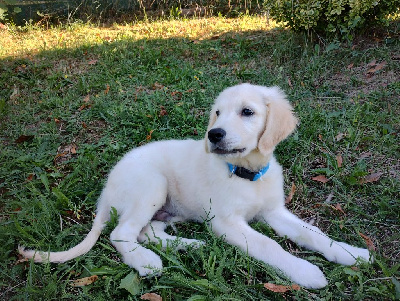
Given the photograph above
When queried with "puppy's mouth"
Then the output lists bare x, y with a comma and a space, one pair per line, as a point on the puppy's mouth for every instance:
222, 151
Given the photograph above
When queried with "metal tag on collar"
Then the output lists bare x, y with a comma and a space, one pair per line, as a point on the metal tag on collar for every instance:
232, 169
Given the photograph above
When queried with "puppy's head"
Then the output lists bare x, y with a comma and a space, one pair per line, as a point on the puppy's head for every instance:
245, 118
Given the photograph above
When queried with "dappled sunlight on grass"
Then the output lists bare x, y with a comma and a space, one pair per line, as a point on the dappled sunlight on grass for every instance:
18, 44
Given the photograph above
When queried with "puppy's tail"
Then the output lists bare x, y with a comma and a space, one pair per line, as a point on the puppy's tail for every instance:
80, 249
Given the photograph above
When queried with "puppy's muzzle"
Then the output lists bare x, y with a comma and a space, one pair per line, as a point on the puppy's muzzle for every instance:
218, 145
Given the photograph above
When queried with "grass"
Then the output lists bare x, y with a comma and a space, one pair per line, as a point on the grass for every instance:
76, 98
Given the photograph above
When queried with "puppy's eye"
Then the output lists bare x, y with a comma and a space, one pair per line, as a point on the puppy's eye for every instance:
217, 112
247, 112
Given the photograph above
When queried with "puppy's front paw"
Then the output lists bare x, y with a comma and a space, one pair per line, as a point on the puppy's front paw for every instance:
345, 254
307, 275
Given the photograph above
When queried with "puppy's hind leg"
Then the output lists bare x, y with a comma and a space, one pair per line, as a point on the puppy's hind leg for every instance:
133, 254
138, 207
155, 232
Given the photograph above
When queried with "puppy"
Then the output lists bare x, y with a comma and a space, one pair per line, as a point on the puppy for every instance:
229, 178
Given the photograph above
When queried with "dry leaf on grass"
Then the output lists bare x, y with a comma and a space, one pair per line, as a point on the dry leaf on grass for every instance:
365, 155
289, 83
148, 137
84, 281
340, 136
338, 207
339, 160
86, 98
376, 68
157, 86
320, 178
374, 177
65, 153
176, 94
86, 103
281, 288
107, 89
151, 297
24, 138
291, 194
163, 111
368, 242
73, 149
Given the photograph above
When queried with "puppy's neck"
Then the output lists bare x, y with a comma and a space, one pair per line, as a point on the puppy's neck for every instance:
253, 161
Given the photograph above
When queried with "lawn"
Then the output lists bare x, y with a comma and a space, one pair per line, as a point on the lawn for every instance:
75, 98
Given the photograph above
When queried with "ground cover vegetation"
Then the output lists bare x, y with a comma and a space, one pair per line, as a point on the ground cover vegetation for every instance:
334, 18
75, 98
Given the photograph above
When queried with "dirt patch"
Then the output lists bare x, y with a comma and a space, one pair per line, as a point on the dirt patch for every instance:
72, 66
95, 130
388, 166
65, 153
366, 78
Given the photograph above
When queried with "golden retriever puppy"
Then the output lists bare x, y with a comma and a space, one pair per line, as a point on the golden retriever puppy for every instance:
229, 178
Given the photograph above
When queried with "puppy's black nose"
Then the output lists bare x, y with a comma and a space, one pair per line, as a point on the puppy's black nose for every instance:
216, 135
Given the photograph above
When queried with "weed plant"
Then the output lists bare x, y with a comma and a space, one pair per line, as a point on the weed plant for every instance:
75, 99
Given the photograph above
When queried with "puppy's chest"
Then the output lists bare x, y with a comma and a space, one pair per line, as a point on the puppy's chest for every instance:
241, 198
243, 202
210, 190
248, 199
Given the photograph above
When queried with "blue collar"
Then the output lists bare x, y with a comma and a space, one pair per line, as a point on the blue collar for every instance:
247, 174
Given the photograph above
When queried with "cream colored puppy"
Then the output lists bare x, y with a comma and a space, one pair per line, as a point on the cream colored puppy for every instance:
228, 179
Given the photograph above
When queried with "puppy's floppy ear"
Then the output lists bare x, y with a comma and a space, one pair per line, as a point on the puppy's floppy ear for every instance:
281, 121
213, 118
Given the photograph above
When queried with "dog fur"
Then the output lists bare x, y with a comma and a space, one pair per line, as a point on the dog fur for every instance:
180, 180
